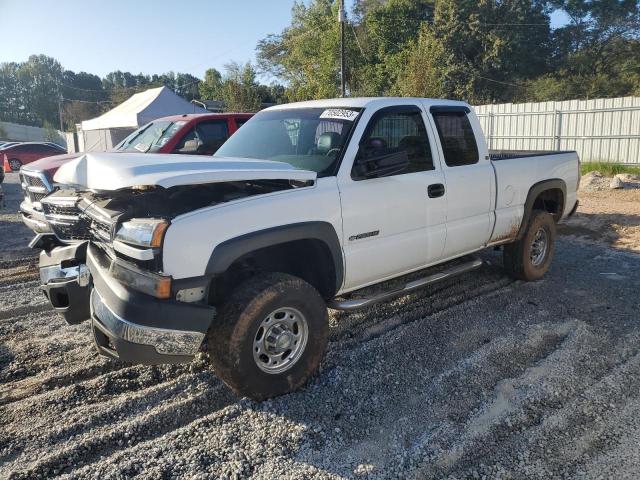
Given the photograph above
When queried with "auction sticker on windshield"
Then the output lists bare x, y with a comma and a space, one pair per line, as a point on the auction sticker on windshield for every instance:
339, 114
142, 147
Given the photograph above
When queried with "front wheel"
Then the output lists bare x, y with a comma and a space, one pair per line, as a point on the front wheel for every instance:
530, 257
15, 164
270, 336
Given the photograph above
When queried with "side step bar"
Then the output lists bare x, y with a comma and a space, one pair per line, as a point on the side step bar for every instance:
359, 303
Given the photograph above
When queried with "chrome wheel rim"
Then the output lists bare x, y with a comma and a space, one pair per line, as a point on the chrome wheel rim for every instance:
539, 247
280, 340
15, 165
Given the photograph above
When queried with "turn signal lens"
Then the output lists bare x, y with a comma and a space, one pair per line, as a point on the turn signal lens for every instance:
163, 287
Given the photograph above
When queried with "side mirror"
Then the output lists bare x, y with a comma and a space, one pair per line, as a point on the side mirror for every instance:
191, 146
379, 163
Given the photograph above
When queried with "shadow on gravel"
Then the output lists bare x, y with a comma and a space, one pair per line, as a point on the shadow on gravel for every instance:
6, 357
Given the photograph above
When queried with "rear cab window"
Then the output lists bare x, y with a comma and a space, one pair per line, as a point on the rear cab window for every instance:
212, 134
456, 135
240, 121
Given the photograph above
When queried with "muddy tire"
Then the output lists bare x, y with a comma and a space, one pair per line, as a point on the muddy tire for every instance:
530, 257
269, 337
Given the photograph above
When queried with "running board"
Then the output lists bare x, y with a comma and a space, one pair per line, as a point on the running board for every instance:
407, 288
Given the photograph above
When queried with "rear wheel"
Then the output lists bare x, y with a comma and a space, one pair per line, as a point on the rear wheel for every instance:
270, 336
530, 257
15, 164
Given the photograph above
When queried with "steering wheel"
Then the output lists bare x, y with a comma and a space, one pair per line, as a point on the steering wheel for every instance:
332, 150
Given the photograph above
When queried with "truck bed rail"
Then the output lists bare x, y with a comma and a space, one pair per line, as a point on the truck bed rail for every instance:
496, 155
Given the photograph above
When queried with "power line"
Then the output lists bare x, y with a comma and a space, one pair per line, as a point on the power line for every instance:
501, 82
86, 101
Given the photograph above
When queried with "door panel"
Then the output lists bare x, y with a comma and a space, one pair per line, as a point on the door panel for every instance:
410, 226
469, 207
470, 180
390, 224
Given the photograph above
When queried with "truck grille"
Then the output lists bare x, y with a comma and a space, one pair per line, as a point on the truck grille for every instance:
100, 225
65, 219
35, 186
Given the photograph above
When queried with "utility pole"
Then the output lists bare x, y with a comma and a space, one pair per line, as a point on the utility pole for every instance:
342, 19
60, 114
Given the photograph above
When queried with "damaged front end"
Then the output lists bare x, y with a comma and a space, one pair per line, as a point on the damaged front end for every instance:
64, 279
112, 270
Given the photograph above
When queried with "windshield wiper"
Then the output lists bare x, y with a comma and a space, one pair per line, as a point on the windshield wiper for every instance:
162, 132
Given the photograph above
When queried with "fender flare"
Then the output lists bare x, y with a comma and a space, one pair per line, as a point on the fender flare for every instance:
227, 252
534, 191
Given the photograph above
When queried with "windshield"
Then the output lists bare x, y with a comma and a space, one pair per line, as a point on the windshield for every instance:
150, 138
305, 138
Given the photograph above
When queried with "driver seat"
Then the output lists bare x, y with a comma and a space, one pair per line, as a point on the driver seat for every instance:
327, 141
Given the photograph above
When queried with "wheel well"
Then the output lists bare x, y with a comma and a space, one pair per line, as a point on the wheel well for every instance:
309, 259
551, 201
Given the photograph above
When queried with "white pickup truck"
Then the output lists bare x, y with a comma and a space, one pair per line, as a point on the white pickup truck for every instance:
241, 253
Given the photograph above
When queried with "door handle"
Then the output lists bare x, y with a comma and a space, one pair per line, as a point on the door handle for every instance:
435, 190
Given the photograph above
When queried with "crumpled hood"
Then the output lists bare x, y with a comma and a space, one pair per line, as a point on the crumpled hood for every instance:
114, 171
50, 164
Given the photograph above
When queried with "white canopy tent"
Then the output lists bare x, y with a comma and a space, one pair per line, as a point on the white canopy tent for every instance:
107, 130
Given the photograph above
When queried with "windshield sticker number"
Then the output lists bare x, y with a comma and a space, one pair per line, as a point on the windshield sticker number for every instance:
142, 147
339, 114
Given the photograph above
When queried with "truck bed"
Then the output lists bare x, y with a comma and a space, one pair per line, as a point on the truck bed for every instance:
497, 155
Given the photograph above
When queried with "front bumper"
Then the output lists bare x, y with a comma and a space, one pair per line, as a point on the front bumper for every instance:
34, 219
64, 279
138, 328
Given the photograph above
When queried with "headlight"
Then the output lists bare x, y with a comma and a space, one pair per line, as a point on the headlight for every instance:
142, 232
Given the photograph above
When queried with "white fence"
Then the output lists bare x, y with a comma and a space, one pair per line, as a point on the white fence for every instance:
25, 133
605, 129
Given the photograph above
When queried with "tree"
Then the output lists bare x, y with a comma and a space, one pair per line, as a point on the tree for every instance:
210, 86
274, 93
11, 94
40, 78
239, 89
383, 32
597, 53
306, 54
470, 52
76, 111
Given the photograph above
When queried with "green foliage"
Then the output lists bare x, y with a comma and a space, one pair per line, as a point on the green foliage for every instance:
30, 92
239, 89
306, 54
210, 86
480, 51
608, 169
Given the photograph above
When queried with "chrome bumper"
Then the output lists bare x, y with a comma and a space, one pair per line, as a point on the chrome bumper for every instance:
79, 273
33, 218
164, 341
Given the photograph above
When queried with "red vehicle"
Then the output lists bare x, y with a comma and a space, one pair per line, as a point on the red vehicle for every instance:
195, 134
14, 156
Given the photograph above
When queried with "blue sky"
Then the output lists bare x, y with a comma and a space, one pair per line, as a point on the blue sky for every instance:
141, 35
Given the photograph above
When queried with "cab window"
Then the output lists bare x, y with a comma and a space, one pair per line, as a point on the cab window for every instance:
394, 135
456, 136
212, 135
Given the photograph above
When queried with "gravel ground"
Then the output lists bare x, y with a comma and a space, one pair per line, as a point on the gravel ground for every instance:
478, 377
609, 216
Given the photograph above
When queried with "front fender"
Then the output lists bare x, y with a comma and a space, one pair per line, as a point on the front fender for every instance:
230, 250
